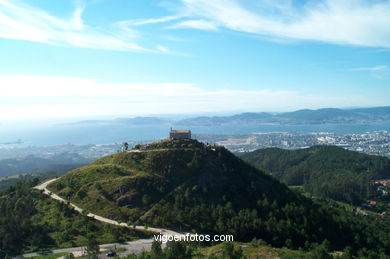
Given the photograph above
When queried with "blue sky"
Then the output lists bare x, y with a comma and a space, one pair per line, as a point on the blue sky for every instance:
95, 58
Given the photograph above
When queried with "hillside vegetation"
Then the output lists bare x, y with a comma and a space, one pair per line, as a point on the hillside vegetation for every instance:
327, 171
186, 185
230, 250
31, 221
33, 164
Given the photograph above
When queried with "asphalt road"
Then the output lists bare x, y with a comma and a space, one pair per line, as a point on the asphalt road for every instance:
132, 247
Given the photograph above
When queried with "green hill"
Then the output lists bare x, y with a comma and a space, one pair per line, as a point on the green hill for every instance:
186, 185
324, 170
134, 185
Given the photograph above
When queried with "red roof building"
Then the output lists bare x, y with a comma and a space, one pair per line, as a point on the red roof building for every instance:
180, 134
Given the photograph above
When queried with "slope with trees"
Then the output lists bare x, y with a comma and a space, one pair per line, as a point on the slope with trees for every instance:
327, 171
185, 185
30, 221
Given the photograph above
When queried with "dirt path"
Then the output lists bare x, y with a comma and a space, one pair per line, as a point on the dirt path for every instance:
43, 186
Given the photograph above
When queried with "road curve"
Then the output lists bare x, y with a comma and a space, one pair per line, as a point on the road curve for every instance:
136, 246
43, 187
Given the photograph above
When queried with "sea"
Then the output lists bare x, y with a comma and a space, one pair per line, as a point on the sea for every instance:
46, 134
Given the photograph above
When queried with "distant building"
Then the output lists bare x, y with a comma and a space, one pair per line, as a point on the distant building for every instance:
385, 182
180, 134
384, 214
359, 211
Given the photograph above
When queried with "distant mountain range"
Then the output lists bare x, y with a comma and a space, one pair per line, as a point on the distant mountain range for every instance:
306, 116
320, 116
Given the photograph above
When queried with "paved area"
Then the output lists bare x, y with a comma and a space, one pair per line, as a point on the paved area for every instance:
132, 247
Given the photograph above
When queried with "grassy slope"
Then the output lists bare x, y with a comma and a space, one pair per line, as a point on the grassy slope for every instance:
130, 186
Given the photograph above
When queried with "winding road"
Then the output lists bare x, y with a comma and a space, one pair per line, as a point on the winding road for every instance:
43, 186
131, 247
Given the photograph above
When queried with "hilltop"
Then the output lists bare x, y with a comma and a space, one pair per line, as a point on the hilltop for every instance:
133, 185
189, 186
324, 170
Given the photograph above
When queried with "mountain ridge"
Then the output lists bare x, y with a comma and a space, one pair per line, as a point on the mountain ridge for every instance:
305, 116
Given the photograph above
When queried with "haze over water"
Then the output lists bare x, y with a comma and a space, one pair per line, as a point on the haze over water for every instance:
59, 134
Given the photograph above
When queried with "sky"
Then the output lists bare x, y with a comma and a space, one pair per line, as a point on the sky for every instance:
94, 58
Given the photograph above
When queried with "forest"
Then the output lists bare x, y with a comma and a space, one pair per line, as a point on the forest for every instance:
326, 171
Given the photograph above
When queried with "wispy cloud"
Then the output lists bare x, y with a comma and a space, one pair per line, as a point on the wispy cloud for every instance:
195, 24
374, 68
77, 21
378, 72
353, 22
42, 96
24, 22
152, 20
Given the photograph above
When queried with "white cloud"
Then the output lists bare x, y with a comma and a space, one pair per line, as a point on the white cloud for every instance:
25, 96
163, 49
354, 22
351, 22
195, 24
23, 22
374, 68
378, 72
152, 20
77, 21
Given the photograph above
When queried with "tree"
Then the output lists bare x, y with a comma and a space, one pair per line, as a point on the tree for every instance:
125, 146
320, 252
230, 252
156, 251
178, 250
92, 246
